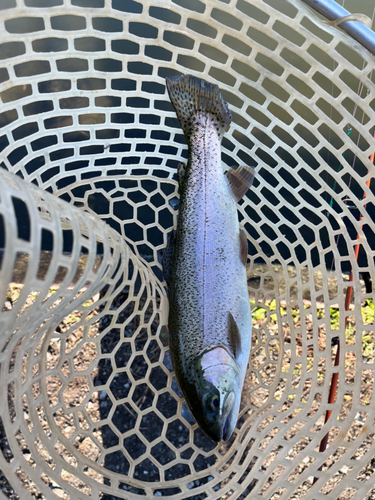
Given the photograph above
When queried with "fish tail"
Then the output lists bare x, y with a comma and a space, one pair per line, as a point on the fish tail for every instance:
192, 96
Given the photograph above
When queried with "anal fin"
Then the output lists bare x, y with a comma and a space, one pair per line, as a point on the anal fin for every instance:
243, 247
181, 170
164, 335
240, 181
167, 257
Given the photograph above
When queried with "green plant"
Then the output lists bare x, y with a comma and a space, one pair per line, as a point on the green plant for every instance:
335, 318
259, 313
368, 312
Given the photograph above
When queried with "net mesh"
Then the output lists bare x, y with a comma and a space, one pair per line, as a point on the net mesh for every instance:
88, 195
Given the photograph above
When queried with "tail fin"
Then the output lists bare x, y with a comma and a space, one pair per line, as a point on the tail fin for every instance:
191, 96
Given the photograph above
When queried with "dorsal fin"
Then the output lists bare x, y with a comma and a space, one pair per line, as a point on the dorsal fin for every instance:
234, 335
240, 181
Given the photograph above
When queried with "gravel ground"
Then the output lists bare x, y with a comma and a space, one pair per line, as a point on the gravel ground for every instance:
124, 417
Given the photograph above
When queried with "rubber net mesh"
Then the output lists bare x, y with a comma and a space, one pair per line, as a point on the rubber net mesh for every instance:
88, 195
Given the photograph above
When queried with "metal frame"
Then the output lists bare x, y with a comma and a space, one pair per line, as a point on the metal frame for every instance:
333, 11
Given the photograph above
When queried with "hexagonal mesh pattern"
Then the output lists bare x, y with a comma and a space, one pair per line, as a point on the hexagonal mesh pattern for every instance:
88, 194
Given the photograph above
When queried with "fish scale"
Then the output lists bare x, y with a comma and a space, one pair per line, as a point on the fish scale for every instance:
207, 218
209, 310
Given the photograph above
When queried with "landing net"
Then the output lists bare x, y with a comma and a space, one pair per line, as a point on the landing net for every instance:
88, 195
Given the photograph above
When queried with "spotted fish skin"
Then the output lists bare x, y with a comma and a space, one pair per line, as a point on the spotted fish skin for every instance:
209, 311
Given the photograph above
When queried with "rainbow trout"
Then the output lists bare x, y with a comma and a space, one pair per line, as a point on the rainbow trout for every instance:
204, 265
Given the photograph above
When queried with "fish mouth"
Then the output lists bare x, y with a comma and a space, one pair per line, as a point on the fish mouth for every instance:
227, 429
223, 430
227, 425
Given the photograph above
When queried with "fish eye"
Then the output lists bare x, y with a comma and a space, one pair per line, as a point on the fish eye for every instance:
211, 402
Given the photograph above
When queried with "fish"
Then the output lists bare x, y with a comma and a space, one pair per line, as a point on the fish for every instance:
204, 265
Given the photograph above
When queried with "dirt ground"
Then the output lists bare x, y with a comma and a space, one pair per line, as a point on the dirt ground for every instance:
124, 417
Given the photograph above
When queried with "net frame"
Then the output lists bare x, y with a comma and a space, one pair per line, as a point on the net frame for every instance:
258, 458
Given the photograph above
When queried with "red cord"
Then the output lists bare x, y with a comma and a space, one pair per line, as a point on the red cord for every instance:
335, 376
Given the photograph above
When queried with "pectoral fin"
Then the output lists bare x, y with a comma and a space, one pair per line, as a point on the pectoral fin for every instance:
240, 181
234, 335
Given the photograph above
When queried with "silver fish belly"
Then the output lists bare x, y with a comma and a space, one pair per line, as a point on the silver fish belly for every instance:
209, 310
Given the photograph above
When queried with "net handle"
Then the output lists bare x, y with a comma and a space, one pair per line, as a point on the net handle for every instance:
333, 12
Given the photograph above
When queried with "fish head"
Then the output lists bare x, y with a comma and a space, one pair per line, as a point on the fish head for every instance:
218, 393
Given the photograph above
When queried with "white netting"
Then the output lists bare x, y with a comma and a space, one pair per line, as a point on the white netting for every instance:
89, 404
